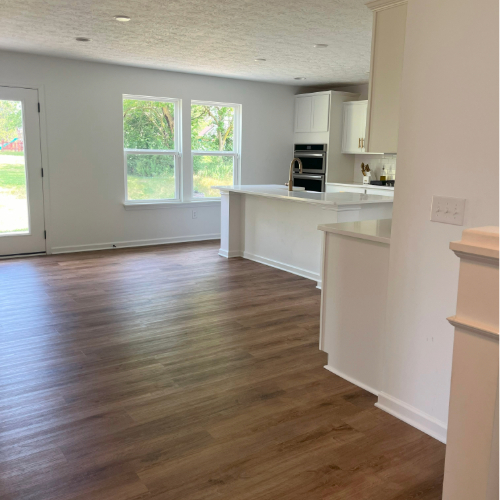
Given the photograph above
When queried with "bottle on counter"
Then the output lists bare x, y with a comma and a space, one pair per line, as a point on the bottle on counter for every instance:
383, 174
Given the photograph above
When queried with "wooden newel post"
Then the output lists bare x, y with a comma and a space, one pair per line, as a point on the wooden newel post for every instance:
471, 465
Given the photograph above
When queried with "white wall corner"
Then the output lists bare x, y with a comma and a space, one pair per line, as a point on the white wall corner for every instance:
413, 416
352, 380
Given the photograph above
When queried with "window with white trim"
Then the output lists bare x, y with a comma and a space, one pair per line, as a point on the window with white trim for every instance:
152, 146
215, 147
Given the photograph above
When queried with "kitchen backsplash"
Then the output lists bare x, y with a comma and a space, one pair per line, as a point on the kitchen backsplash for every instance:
376, 162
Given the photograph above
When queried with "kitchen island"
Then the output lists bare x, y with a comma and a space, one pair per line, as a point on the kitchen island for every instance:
270, 225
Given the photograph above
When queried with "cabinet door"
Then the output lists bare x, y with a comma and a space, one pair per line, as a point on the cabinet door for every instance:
333, 188
303, 111
350, 135
320, 113
354, 126
381, 192
362, 110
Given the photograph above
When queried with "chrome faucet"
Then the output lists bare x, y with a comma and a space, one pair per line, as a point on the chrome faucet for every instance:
290, 178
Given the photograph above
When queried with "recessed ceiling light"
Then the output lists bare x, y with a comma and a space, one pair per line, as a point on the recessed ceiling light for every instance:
260, 59
82, 39
320, 45
300, 78
122, 19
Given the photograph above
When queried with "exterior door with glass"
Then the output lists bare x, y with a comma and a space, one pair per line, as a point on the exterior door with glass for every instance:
22, 223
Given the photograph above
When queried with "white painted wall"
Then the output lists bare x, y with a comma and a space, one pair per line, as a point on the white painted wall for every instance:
83, 118
448, 145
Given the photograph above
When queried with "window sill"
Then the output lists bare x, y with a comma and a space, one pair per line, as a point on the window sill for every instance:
171, 204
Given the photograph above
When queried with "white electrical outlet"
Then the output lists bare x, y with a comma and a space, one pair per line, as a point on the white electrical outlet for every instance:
195, 214
448, 210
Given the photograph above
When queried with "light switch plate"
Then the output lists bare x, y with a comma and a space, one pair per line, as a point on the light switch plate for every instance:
448, 210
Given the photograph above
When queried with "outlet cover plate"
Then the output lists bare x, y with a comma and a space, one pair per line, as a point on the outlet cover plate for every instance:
448, 210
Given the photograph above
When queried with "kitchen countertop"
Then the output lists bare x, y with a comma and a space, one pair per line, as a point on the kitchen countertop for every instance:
281, 192
360, 184
373, 230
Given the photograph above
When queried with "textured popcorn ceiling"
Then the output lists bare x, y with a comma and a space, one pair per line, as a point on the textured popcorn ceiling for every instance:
215, 37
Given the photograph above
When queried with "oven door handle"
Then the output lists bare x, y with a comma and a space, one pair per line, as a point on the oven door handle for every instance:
309, 155
307, 176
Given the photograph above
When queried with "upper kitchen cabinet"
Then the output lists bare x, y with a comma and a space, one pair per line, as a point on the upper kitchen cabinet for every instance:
388, 40
354, 127
318, 120
320, 113
312, 112
303, 112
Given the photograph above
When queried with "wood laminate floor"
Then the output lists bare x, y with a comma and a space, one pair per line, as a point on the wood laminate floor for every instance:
172, 373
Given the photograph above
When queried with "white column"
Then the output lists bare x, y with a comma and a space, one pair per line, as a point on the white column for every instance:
471, 466
231, 222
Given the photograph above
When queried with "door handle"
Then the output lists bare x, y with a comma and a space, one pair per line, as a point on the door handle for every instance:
359, 143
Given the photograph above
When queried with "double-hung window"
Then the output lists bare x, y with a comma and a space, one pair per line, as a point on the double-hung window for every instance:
151, 140
215, 147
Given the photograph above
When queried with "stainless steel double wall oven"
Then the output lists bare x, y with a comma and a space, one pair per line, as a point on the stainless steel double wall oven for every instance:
313, 158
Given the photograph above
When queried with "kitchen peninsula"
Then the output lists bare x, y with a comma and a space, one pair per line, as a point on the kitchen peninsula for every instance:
279, 228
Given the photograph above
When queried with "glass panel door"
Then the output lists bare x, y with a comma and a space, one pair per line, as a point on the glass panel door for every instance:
21, 188
13, 193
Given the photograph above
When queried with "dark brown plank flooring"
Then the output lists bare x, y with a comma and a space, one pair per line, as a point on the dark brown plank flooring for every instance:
172, 373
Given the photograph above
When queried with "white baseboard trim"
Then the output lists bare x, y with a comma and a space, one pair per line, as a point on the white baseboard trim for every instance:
352, 380
229, 255
134, 243
413, 416
22, 255
284, 267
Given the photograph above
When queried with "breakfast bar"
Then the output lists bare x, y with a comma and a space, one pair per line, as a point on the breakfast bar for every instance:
279, 228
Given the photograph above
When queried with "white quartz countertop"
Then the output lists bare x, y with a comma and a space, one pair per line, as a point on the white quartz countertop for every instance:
373, 230
281, 192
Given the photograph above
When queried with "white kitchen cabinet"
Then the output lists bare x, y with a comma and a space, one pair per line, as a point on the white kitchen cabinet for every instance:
312, 112
318, 120
386, 68
333, 187
354, 127
320, 113
303, 112
380, 191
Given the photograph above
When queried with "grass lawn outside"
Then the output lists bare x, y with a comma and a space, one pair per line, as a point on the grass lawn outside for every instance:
161, 187
211, 171
13, 200
203, 185
11, 153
